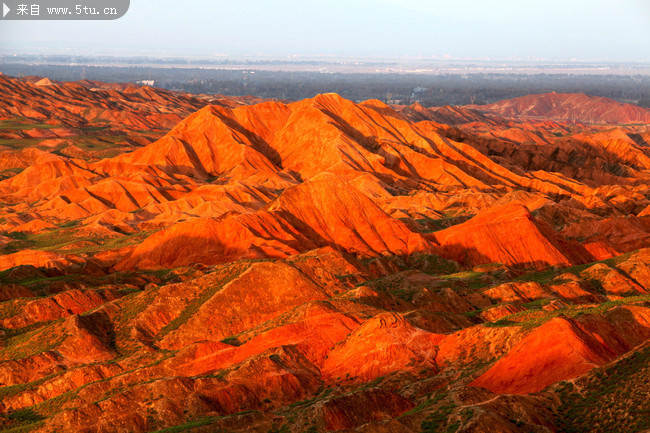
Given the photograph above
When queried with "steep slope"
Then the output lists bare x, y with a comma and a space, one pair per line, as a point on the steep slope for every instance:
322, 212
212, 142
563, 349
384, 344
263, 291
508, 234
335, 212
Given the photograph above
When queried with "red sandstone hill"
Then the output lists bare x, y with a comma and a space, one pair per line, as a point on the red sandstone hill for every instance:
563, 349
92, 120
321, 212
576, 107
75, 104
316, 266
508, 234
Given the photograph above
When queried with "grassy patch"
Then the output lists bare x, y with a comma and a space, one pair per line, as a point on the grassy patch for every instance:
62, 238
131, 306
303, 403
533, 318
10, 172
190, 425
615, 398
20, 143
545, 277
32, 340
425, 405
8, 391
449, 219
20, 124
536, 305
25, 415
25, 428
432, 264
22, 421
438, 421
46, 241
233, 341
472, 280
112, 243
500, 323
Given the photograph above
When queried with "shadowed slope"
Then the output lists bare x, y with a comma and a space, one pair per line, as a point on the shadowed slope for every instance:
322, 212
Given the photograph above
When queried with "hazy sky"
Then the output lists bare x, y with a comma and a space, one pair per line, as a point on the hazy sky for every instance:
610, 30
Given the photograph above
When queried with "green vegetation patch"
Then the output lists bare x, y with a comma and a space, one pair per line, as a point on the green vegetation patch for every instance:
426, 405
614, 398
33, 339
432, 264
546, 277
533, 318
449, 218
22, 123
22, 421
20, 143
64, 238
438, 421
8, 391
472, 280
51, 240
190, 425
25, 415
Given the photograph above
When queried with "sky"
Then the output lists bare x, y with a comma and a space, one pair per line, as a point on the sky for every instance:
557, 30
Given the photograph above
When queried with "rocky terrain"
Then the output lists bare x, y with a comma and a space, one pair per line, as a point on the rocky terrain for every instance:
176, 263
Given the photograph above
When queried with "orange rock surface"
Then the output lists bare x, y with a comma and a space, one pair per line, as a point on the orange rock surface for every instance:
205, 263
508, 234
570, 106
562, 349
